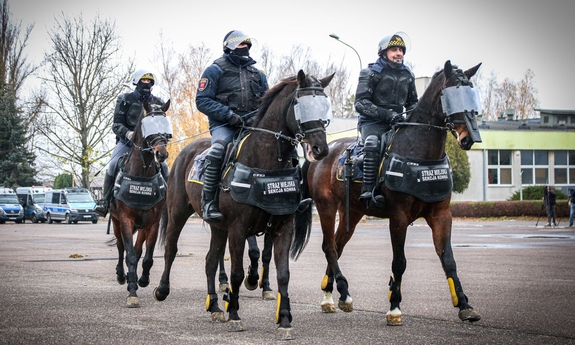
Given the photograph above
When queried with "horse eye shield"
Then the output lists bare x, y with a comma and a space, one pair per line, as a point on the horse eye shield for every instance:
313, 108
463, 99
157, 125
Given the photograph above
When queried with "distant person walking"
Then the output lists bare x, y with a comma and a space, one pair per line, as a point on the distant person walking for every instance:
549, 199
571, 203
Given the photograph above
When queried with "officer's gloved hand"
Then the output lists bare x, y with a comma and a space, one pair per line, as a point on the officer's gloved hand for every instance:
235, 120
397, 118
129, 135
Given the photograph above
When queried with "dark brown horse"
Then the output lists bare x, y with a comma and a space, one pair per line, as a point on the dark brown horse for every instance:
417, 184
261, 172
139, 198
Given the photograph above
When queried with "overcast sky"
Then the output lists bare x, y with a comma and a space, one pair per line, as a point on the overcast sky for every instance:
508, 37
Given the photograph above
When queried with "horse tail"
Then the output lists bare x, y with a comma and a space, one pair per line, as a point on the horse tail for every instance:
303, 218
163, 224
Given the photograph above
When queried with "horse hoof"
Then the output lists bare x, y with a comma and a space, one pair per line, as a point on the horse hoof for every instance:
469, 315
235, 326
268, 295
143, 283
133, 302
394, 317
328, 308
345, 306
121, 279
284, 333
158, 296
248, 285
218, 316
224, 287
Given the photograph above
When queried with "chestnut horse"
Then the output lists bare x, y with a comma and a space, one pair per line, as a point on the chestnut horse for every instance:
139, 197
260, 172
417, 184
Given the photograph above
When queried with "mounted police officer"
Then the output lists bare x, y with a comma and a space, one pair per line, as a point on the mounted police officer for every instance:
228, 94
129, 109
385, 88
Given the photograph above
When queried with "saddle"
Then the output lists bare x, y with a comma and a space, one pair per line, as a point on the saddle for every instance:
429, 181
277, 192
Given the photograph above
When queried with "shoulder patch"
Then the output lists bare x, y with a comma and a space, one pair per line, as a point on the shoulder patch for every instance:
203, 84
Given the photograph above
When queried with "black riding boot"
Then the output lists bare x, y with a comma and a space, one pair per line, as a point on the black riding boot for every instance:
101, 207
212, 174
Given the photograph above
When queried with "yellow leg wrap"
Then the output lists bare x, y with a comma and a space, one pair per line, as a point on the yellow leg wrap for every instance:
208, 302
324, 282
262, 277
454, 298
278, 308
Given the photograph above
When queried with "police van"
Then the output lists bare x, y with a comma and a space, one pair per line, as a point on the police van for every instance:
10, 208
70, 205
32, 199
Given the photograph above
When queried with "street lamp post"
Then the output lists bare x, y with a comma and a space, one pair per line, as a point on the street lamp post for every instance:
334, 36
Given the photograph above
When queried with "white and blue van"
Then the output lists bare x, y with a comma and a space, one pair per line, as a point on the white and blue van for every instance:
32, 199
70, 205
10, 208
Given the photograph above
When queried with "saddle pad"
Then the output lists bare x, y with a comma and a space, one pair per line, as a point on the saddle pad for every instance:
275, 191
356, 156
139, 193
196, 174
429, 181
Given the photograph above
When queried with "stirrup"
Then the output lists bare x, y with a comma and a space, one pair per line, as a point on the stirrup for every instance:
211, 213
101, 208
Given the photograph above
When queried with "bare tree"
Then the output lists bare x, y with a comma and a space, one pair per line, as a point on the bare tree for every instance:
83, 77
526, 96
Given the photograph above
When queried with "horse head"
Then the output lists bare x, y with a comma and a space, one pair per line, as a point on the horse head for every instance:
156, 130
312, 114
460, 104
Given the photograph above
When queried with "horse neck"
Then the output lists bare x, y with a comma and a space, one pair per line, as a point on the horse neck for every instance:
422, 142
140, 162
263, 149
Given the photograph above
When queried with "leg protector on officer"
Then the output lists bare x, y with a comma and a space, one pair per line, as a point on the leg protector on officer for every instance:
370, 160
212, 175
102, 205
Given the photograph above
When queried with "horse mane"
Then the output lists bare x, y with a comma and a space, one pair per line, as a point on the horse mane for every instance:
270, 95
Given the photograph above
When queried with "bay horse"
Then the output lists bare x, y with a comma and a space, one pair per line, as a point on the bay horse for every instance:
295, 111
417, 144
139, 197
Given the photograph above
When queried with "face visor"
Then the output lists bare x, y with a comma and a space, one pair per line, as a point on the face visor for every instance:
157, 124
463, 99
313, 108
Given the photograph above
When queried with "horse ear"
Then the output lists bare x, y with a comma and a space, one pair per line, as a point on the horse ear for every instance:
147, 106
301, 78
166, 106
471, 72
325, 81
448, 69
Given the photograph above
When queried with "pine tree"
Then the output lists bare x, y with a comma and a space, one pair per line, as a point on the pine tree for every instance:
16, 161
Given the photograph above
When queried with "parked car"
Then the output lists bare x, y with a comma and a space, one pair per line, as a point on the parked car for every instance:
32, 199
70, 205
10, 208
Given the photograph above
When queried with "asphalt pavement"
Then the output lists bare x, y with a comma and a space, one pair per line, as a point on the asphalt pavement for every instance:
58, 286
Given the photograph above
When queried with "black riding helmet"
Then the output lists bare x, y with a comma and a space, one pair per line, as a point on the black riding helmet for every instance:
234, 38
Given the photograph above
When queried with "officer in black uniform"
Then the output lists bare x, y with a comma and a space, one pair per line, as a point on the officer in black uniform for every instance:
129, 108
228, 94
384, 90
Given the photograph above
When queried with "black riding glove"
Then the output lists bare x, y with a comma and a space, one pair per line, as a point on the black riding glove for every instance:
397, 118
235, 120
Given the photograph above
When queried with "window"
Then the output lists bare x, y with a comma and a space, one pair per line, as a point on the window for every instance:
534, 167
499, 167
564, 167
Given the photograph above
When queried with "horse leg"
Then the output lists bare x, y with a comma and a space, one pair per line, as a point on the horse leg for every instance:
174, 227
251, 281
214, 256
267, 292
127, 227
281, 242
223, 277
148, 262
397, 231
237, 243
120, 273
441, 229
